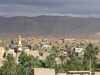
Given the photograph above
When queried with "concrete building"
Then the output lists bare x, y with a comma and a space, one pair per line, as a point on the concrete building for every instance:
43, 71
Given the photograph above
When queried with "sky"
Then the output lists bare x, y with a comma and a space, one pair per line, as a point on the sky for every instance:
75, 8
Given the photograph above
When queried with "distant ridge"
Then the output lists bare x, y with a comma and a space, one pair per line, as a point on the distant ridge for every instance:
49, 26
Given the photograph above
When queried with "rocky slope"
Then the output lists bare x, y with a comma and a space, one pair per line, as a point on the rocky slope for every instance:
49, 26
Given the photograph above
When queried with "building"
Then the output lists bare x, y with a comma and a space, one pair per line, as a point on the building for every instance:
43, 71
78, 72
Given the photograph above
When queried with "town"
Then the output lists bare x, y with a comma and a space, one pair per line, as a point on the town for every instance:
65, 51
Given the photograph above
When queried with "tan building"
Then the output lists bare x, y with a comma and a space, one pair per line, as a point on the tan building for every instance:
68, 40
43, 71
2, 48
97, 73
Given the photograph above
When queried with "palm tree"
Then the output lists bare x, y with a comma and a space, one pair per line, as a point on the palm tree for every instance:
53, 48
41, 51
16, 51
10, 58
22, 57
6, 68
37, 62
74, 64
9, 65
6, 50
19, 68
90, 54
85, 64
62, 58
59, 69
55, 51
50, 61
73, 53
40, 48
27, 61
28, 66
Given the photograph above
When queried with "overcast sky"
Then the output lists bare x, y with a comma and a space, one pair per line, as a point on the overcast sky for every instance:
76, 8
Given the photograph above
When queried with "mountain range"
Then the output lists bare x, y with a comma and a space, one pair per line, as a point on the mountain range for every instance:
50, 27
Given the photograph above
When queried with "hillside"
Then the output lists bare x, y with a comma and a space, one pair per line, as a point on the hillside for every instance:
49, 26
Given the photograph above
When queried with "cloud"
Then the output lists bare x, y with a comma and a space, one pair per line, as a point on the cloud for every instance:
50, 7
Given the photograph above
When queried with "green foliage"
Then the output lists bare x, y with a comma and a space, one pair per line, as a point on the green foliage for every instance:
73, 53
37, 63
22, 57
75, 64
55, 51
50, 61
42, 63
19, 68
96, 67
6, 48
10, 58
20, 74
27, 62
59, 68
9, 67
62, 58
91, 53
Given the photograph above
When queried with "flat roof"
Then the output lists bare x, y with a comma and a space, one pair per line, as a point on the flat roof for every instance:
78, 72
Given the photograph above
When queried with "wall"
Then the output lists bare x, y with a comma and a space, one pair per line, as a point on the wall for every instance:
61, 74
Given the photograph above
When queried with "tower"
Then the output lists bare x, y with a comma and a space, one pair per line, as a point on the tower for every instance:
19, 44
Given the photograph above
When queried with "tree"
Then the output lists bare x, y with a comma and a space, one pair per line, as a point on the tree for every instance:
50, 61
73, 53
28, 66
19, 69
9, 67
59, 68
41, 48
90, 54
10, 58
37, 62
27, 62
6, 50
74, 64
53, 48
62, 58
22, 57
55, 51
16, 51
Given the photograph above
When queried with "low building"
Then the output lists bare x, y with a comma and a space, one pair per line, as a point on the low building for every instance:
42, 71
13, 46
78, 72
2, 48
78, 49
33, 47
97, 71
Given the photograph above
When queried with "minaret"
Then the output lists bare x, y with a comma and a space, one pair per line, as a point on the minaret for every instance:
19, 44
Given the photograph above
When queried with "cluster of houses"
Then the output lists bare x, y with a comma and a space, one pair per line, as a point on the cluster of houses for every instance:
33, 46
